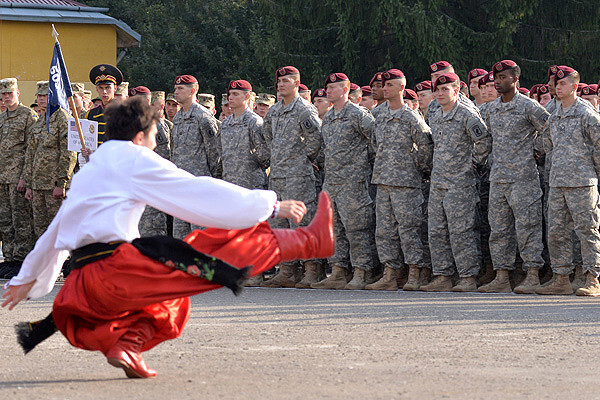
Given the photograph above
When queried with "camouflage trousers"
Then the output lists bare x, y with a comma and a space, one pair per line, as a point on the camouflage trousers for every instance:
153, 222
576, 209
44, 207
515, 217
353, 222
15, 223
452, 234
399, 216
300, 188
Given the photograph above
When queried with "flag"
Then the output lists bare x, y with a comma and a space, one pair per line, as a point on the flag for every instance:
59, 87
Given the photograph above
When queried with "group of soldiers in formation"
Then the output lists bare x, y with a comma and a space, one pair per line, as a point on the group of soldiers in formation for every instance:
430, 190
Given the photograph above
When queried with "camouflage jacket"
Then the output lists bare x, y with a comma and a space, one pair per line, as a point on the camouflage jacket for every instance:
347, 136
293, 135
15, 130
403, 147
242, 148
573, 135
195, 135
514, 127
459, 137
48, 163
164, 138
434, 105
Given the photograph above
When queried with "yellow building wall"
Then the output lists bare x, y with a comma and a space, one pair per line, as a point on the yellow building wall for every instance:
26, 52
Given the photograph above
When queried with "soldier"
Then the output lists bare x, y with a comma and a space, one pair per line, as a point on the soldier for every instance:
464, 89
2, 106
403, 150
207, 100
425, 95
78, 95
264, 101
459, 136
121, 92
291, 129
304, 92
194, 140
87, 100
172, 106
524, 91
157, 101
347, 130
321, 101
590, 93
48, 163
515, 208
573, 135
544, 96
15, 212
377, 90
553, 104
355, 94
225, 109
367, 100
473, 81
411, 99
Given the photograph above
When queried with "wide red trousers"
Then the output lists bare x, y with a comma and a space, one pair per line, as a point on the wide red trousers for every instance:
101, 301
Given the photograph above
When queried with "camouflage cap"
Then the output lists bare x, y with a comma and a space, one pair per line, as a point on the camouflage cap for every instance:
122, 89
206, 99
42, 88
224, 99
77, 87
87, 94
265, 98
8, 85
157, 96
171, 97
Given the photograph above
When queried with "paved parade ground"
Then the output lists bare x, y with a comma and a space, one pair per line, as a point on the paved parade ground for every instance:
313, 344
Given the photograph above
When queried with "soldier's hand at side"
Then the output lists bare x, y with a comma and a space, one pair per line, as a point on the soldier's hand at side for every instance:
58, 193
292, 209
86, 152
21, 186
14, 294
29, 194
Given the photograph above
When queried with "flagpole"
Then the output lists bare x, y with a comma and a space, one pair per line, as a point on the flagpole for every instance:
72, 105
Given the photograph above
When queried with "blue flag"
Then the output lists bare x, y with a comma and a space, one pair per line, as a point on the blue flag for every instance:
59, 88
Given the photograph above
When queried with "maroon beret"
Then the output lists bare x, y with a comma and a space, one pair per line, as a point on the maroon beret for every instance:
438, 66
425, 85
283, 71
446, 78
590, 90
366, 90
534, 88
580, 87
303, 88
139, 90
376, 78
240, 84
487, 78
552, 71
563, 71
463, 84
319, 93
474, 73
185, 80
353, 87
335, 77
542, 89
410, 94
391, 74
504, 64
524, 90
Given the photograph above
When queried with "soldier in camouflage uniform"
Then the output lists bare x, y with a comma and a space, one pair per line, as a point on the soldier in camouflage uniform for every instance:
515, 209
264, 101
172, 106
459, 136
573, 135
347, 130
404, 150
291, 129
207, 100
195, 138
15, 212
78, 98
48, 163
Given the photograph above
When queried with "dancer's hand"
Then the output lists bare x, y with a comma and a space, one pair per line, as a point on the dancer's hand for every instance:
292, 209
14, 294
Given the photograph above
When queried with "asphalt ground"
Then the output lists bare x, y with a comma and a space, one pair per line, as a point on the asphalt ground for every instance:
318, 344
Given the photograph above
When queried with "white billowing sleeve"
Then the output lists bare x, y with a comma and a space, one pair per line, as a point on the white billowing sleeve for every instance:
43, 263
202, 200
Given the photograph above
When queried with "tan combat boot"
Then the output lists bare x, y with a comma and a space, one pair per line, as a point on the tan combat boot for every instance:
579, 280
439, 283
255, 281
337, 279
389, 280
468, 284
311, 275
560, 285
530, 283
286, 277
500, 284
414, 271
486, 275
591, 287
424, 276
358, 281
